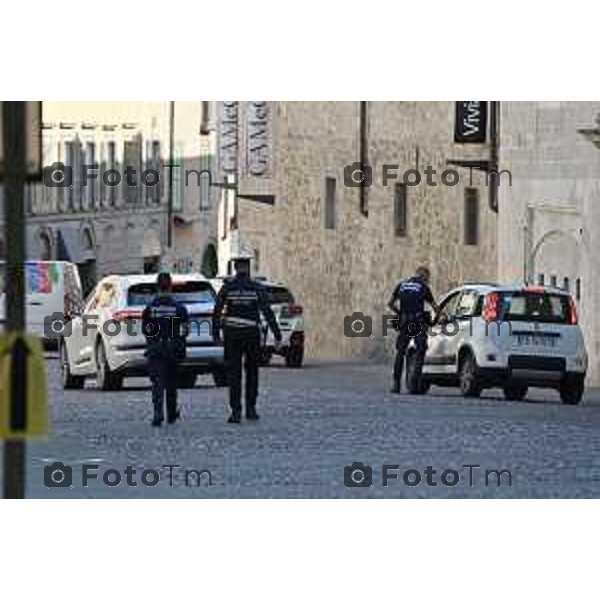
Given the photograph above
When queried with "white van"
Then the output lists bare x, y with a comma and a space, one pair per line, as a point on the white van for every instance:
51, 287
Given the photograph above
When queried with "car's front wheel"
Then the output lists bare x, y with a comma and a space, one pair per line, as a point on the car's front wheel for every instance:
572, 388
68, 380
468, 377
106, 379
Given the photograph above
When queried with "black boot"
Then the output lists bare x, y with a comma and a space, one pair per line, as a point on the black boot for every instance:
174, 416
173, 413
396, 387
251, 414
235, 416
158, 416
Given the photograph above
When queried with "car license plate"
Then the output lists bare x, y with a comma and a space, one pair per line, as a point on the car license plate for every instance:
543, 341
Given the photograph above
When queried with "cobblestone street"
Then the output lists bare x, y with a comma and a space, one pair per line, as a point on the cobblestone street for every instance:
316, 421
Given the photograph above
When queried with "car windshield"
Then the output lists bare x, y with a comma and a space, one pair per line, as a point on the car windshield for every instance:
279, 295
188, 292
540, 307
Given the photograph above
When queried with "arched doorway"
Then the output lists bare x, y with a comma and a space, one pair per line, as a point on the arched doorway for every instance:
210, 261
557, 261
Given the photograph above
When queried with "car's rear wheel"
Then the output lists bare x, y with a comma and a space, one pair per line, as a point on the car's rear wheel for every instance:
468, 377
415, 385
572, 388
515, 392
106, 379
69, 381
220, 376
186, 381
295, 357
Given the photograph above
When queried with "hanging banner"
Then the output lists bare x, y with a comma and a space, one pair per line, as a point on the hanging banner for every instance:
259, 139
228, 133
470, 123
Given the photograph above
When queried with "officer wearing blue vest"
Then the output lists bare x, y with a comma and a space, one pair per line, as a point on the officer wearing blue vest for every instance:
408, 303
238, 307
165, 325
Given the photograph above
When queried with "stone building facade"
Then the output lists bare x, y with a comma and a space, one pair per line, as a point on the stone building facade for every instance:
339, 249
124, 229
550, 229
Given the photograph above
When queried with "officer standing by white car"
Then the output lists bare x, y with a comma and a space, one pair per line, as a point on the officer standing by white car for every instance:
408, 302
239, 305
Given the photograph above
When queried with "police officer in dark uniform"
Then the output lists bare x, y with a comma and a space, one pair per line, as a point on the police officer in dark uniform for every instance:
408, 302
165, 324
238, 307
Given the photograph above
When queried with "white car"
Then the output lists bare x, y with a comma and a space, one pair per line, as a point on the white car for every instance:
106, 341
290, 318
505, 336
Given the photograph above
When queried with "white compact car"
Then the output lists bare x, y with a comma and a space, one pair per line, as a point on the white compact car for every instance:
505, 336
290, 318
106, 340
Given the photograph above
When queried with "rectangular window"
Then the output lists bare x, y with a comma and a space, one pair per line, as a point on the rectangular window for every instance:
534, 306
471, 216
157, 190
553, 280
178, 179
578, 288
186, 291
205, 190
92, 184
541, 279
400, 221
205, 118
70, 162
111, 164
132, 159
330, 184
566, 284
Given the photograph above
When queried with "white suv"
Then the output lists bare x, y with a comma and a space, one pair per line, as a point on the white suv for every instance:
106, 340
505, 336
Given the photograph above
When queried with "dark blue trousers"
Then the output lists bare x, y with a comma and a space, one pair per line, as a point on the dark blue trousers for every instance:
163, 374
407, 331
